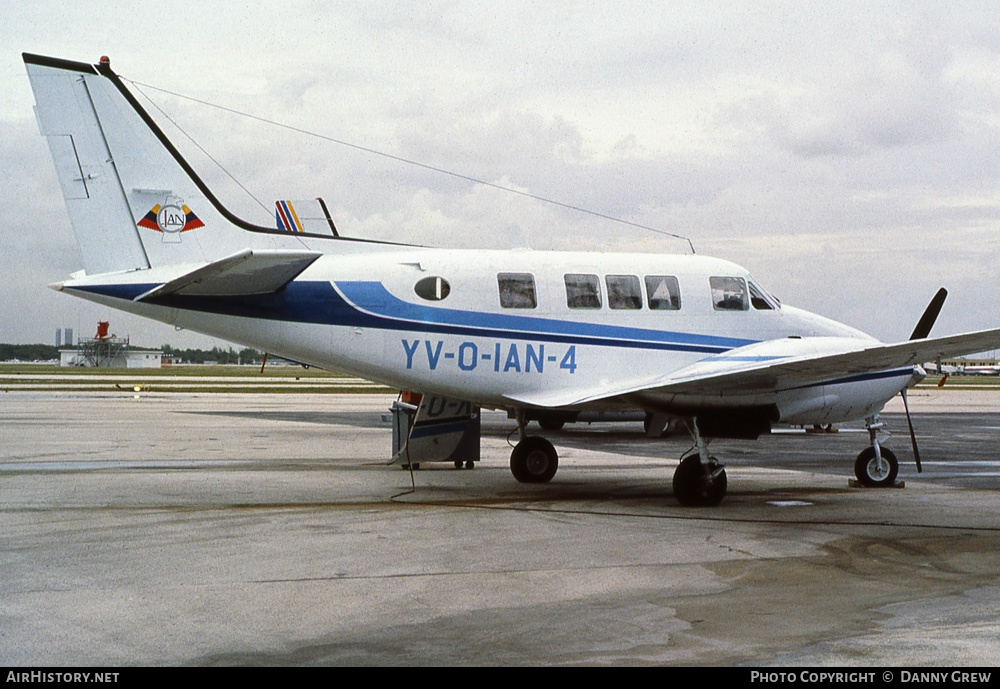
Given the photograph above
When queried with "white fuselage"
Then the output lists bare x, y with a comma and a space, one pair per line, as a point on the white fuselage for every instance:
433, 320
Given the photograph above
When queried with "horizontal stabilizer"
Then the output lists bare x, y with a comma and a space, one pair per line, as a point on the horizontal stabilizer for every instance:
443, 430
243, 273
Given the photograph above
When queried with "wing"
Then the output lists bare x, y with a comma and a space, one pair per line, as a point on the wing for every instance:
777, 365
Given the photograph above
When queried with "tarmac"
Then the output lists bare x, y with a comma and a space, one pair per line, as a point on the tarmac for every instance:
257, 529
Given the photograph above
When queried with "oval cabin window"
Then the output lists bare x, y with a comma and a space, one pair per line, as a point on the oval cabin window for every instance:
432, 288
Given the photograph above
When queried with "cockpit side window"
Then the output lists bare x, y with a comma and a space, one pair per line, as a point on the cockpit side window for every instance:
624, 292
517, 290
729, 293
583, 291
663, 293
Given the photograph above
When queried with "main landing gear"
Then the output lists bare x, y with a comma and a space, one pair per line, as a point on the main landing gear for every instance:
700, 479
533, 459
876, 466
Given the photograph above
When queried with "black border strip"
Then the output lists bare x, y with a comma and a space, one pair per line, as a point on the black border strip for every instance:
104, 69
58, 63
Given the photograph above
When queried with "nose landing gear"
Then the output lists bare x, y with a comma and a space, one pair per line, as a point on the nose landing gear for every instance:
876, 466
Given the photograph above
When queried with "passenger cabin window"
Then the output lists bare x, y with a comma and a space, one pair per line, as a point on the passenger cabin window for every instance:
624, 292
729, 294
759, 299
432, 288
517, 290
583, 291
663, 293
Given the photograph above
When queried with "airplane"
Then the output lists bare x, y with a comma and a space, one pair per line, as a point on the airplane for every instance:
685, 337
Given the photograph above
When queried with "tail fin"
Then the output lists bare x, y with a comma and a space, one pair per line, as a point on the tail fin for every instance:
133, 201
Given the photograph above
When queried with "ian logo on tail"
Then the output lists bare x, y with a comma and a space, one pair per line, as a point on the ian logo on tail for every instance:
171, 218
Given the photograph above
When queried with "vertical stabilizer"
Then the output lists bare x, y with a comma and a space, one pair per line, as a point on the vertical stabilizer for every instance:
133, 200
98, 208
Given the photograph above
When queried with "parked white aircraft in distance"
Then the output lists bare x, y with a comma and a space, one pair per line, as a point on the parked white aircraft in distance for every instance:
680, 336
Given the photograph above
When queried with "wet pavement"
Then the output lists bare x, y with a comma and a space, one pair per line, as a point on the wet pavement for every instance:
225, 529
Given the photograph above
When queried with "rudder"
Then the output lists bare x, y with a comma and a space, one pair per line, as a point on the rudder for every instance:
95, 199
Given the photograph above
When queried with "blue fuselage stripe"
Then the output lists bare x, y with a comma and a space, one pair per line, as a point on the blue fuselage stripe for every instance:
373, 297
370, 305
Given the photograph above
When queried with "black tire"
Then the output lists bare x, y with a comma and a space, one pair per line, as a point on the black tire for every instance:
534, 460
694, 488
869, 474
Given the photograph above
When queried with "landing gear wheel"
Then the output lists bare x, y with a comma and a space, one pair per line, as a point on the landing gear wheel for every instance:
470, 464
534, 460
872, 474
458, 464
698, 485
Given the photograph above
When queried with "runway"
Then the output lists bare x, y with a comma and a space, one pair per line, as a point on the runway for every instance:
256, 529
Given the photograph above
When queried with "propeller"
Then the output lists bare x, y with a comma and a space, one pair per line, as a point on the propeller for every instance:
920, 332
926, 321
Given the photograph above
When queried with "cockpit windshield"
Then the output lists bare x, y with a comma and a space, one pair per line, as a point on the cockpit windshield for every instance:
760, 299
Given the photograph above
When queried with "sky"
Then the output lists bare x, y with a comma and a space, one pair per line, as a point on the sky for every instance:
847, 154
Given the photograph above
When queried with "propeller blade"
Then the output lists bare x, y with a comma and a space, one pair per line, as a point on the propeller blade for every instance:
926, 321
913, 437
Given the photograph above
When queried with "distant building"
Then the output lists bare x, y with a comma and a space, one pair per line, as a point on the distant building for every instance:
58, 337
122, 358
68, 340
106, 350
969, 366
